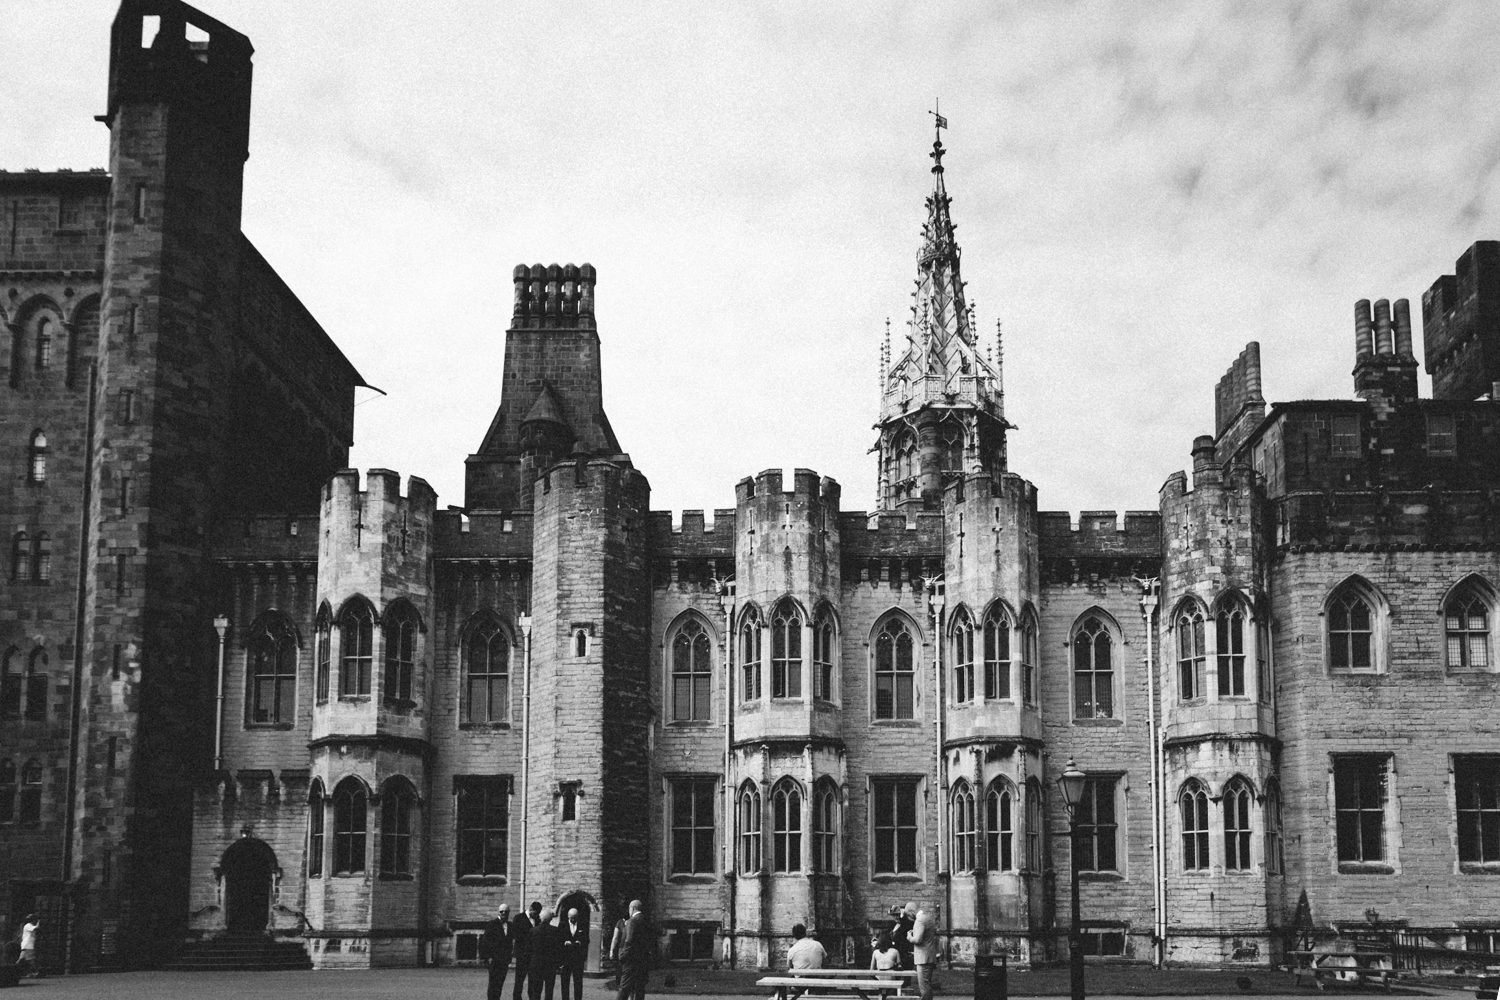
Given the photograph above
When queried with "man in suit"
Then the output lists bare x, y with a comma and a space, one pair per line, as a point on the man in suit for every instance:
520, 935
545, 948
496, 948
924, 949
636, 951
575, 952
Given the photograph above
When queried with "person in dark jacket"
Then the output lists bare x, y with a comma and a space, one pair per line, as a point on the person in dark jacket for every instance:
496, 948
520, 934
635, 954
546, 948
574, 935
906, 918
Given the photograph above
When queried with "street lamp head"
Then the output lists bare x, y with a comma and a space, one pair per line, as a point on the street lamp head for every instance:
1070, 783
221, 625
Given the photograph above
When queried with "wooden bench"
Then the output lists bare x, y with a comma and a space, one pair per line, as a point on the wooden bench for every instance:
1344, 966
832, 983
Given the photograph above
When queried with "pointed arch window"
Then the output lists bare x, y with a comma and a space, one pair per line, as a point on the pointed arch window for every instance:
1351, 630
825, 830
964, 833
487, 674
824, 656
895, 671
1466, 629
356, 642
1190, 653
750, 633
786, 651
1231, 651
749, 810
963, 657
350, 821
401, 627
997, 656
786, 827
1193, 805
1237, 801
999, 833
1263, 679
20, 557
315, 821
1029, 657
36, 686
36, 466
12, 684
41, 558
692, 672
7, 791
1275, 851
273, 671
31, 794
1093, 671
396, 806
1035, 812
951, 447
43, 345
325, 656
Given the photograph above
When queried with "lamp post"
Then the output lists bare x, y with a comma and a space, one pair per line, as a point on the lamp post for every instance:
1071, 783
221, 626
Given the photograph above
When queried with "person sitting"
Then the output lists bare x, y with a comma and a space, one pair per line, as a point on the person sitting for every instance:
805, 952
884, 958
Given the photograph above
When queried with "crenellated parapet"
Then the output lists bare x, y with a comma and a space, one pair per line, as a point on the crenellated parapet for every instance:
554, 296
1100, 545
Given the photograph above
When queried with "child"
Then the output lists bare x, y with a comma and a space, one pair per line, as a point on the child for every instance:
884, 957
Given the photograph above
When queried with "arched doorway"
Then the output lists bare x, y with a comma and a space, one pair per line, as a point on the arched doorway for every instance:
585, 905
247, 868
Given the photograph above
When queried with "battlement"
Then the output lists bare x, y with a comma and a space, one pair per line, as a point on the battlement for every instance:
549, 296
615, 471
1388, 520
805, 483
267, 538
1239, 406
491, 534
382, 486
1099, 533
694, 538
1461, 325
883, 534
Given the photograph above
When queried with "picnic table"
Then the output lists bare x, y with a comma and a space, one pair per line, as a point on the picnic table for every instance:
856, 984
1489, 983
1344, 966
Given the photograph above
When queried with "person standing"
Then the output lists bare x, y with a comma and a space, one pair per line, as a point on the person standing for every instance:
27, 961
924, 949
635, 954
901, 934
496, 948
541, 974
520, 936
575, 952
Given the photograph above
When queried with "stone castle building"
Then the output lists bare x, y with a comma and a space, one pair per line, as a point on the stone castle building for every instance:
248, 690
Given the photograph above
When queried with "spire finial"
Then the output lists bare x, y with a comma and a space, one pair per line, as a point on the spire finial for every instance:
937, 143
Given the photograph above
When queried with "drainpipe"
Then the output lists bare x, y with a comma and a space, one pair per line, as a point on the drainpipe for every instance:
1158, 861
935, 596
221, 625
726, 601
525, 622
80, 610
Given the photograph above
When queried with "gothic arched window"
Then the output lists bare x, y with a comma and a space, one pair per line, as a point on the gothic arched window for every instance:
999, 832
1029, 656
12, 684
272, 656
31, 793
20, 557
1093, 671
692, 672
750, 632
1275, 863
895, 671
486, 667
963, 657
36, 686
315, 821
36, 466
1035, 842
1190, 652
1466, 629
749, 810
1237, 799
825, 826
825, 637
786, 651
43, 344
7, 791
356, 642
786, 827
1193, 803
1231, 652
349, 827
325, 655
964, 832
1351, 628
401, 626
41, 558
997, 655
396, 805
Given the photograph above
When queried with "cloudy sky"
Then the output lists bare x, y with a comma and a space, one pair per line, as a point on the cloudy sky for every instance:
1140, 189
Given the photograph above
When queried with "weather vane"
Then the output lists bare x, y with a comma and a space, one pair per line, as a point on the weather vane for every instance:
941, 121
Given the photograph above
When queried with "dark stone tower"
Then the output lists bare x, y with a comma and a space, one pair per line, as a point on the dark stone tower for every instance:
1461, 325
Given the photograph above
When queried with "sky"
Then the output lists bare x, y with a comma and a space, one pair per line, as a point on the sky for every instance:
1140, 189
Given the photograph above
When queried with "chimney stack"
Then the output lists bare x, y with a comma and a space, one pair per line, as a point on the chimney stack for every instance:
1403, 330
1363, 347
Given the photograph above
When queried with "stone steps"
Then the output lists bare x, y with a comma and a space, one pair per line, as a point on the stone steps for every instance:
241, 953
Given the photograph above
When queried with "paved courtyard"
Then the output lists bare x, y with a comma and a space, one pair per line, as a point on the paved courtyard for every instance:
460, 983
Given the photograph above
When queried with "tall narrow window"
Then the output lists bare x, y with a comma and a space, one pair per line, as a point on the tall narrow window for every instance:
823, 657
1035, 823
825, 827
1275, 852
1098, 849
20, 557
1093, 671
895, 671
963, 657
395, 829
483, 825
36, 686
786, 652
750, 632
349, 827
31, 793
693, 826
315, 820
999, 833
1442, 442
127, 406
1231, 641
1350, 631
43, 344
1466, 626
895, 826
37, 463
1359, 795
1190, 653
1194, 808
325, 656
487, 674
964, 832
749, 811
1263, 679
1029, 656
997, 657
1237, 799
400, 654
1476, 787
786, 827
273, 671
12, 684
7, 791
692, 667
41, 558
356, 641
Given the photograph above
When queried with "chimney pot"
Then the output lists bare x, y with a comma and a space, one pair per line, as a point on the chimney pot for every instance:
1383, 343
1363, 347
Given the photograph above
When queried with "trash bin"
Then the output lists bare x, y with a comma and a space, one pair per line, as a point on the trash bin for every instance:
989, 979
